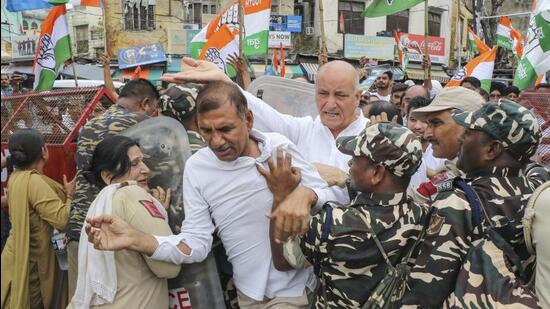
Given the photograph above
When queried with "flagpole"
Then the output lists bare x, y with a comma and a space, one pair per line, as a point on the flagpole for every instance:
426, 41
323, 57
241, 27
104, 11
74, 73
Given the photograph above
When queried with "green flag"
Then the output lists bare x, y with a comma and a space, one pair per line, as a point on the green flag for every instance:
388, 7
536, 54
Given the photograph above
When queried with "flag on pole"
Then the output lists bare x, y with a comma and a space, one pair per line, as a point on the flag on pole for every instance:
388, 7
54, 48
275, 63
481, 67
477, 46
517, 44
96, 3
535, 60
256, 27
283, 64
219, 46
504, 28
137, 72
401, 52
24, 5
342, 23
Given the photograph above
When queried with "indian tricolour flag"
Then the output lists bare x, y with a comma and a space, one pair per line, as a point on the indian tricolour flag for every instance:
536, 53
256, 27
219, 46
481, 67
504, 28
54, 48
96, 3
517, 44
477, 46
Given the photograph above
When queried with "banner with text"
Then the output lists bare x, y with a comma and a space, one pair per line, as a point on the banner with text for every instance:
374, 47
278, 37
414, 43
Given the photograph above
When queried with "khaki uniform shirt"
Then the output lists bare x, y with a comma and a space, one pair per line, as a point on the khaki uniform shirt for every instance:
141, 281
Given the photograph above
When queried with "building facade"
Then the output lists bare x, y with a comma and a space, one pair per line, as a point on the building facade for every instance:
86, 30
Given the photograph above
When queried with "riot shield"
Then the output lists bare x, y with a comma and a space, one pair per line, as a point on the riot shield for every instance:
287, 96
165, 146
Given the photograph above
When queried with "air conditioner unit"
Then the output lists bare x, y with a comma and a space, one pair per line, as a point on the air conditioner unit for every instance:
191, 26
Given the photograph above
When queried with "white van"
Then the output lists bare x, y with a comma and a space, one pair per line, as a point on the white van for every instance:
70, 83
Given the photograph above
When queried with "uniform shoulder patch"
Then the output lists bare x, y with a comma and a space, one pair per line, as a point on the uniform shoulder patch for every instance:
436, 223
152, 209
439, 183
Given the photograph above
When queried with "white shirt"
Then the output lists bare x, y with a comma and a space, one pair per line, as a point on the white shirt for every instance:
382, 97
233, 198
313, 139
433, 163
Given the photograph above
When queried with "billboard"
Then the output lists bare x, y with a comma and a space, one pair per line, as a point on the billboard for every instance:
23, 47
140, 55
375, 47
278, 37
415, 46
285, 23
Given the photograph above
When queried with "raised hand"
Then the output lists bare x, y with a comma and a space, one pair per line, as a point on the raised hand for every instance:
196, 71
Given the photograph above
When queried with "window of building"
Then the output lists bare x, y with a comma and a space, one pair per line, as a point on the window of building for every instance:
213, 9
398, 22
81, 33
274, 9
434, 24
205, 8
354, 22
25, 25
138, 15
34, 26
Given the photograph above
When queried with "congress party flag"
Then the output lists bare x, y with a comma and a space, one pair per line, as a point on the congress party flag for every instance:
536, 53
481, 67
54, 48
256, 27
96, 3
517, 44
388, 7
477, 46
504, 29
219, 46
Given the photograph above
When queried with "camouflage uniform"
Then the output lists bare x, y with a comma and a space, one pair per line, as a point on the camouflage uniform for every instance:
503, 192
350, 264
113, 121
179, 102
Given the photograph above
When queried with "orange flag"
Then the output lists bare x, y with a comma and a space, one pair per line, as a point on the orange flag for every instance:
283, 64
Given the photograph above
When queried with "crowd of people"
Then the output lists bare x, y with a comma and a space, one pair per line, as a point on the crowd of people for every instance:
403, 196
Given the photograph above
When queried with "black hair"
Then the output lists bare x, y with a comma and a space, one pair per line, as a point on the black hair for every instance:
500, 87
417, 102
376, 108
484, 94
397, 87
110, 155
139, 89
511, 89
542, 85
389, 73
215, 94
472, 80
25, 147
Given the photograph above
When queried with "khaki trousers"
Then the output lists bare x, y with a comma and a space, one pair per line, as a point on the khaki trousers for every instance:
72, 257
301, 302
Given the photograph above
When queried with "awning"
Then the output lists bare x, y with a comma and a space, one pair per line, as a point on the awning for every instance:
311, 70
24, 69
440, 76
151, 74
84, 71
291, 70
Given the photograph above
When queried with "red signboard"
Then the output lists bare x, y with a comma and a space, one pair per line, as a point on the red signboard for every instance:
415, 46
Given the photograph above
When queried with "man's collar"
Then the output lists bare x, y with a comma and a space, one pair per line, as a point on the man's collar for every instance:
495, 171
379, 199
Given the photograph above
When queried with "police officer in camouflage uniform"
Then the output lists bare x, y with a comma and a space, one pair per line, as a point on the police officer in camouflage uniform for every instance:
179, 102
338, 243
137, 101
498, 141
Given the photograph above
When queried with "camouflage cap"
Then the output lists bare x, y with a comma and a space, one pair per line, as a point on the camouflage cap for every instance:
180, 101
387, 143
508, 122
